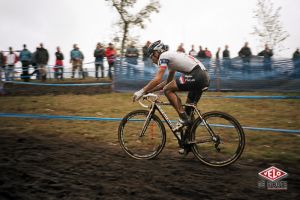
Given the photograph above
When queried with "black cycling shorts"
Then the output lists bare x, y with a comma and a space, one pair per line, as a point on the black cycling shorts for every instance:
196, 80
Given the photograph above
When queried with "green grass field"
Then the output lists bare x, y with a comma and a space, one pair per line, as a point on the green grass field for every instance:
262, 113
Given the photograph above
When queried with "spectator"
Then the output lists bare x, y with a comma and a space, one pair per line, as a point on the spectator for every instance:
296, 58
11, 60
180, 48
267, 54
218, 53
245, 53
146, 59
59, 65
226, 52
207, 53
25, 58
34, 64
42, 58
193, 52
99, 54
296, 54
201, 53
110, 54
132, 55
77, 58
2, 63
226, 57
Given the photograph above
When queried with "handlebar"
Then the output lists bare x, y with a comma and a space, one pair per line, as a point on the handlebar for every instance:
149, 97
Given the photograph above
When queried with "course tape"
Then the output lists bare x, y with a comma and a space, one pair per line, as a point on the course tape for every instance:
58, 84
256, 97
43, 116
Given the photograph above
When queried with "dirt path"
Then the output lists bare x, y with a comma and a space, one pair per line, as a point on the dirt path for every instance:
58, 166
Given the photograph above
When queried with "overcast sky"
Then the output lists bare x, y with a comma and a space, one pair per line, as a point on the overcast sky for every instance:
211, 24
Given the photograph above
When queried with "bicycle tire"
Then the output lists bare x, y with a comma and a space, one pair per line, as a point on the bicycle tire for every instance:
231, 134
141, 147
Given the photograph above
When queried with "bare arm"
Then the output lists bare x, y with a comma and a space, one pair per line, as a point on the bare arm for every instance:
162, 84
156, 81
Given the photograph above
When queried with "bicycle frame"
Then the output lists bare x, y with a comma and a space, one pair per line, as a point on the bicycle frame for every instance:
156, 105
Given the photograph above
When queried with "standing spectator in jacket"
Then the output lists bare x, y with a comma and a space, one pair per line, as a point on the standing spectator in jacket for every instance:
201, 53
207, 53
2, 63
218, 53
245, 53
193, 52
11, 60
42, 58
226, 57
132, 54
99, 54
296, 58
226, 52
180, 48
146, 59
59, 65
34, 64
267, 53
25, 58
110, 54
77, 58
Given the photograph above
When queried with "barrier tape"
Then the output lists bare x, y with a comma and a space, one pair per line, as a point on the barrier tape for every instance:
58, 84
255, 97
80, 118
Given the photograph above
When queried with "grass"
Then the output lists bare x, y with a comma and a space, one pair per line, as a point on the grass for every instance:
266, 113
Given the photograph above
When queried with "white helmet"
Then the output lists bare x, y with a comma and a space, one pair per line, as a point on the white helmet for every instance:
156, 46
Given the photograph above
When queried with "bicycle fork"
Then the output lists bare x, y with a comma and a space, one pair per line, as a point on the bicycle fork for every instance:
215, 137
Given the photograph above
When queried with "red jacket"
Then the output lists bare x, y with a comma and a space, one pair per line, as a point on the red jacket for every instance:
110, 54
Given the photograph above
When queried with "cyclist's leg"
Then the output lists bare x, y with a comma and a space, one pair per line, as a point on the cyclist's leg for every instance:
169, 91
192, 98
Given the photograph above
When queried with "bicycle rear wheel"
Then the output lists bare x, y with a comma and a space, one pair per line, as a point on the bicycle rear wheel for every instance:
137, 145
227, 145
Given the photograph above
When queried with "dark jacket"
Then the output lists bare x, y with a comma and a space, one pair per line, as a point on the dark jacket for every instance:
296, 55
42, 56
226, 53
99, 54
145, 52
59, 55
266, 53
201, 54
245, 52
2, 59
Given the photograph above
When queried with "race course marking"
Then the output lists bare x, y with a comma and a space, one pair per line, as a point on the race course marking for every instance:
80, 118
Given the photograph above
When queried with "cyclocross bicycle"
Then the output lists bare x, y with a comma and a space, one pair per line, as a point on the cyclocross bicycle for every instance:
216, 138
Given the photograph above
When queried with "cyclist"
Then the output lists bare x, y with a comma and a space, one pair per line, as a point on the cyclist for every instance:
194, 78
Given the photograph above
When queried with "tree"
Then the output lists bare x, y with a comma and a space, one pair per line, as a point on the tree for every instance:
128, 20
269, 27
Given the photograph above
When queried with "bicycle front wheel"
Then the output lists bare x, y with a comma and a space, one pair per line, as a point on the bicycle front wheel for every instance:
221, 142
139, 144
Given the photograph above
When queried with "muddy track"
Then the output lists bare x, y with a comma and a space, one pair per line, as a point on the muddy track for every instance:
57, 166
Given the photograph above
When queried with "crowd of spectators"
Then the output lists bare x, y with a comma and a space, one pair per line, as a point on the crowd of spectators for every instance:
40, 57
